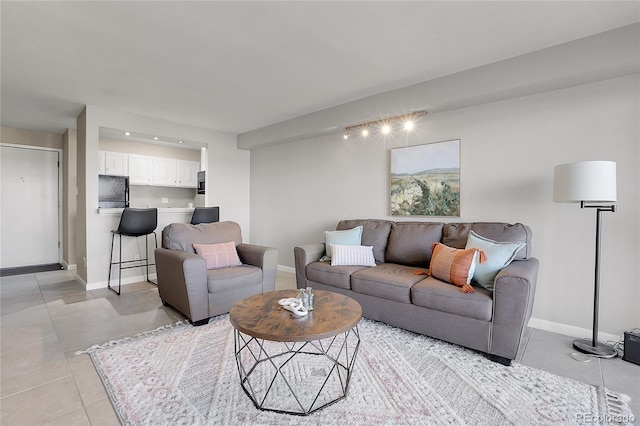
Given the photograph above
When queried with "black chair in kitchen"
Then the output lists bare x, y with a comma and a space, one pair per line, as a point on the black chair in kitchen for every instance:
205, 215
134, 223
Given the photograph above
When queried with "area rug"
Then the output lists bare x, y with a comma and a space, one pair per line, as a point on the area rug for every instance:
185, 375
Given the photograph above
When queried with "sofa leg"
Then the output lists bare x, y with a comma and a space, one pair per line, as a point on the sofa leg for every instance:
499, 359
201, 322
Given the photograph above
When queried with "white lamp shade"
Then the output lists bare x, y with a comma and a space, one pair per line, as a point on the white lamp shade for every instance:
591, 181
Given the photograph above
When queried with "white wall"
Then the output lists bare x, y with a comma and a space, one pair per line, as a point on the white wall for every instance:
227, 179
509, 149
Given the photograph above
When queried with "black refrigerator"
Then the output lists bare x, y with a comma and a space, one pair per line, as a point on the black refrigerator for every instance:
113, 191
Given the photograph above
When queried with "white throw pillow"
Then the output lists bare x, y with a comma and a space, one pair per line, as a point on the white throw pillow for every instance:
348, 255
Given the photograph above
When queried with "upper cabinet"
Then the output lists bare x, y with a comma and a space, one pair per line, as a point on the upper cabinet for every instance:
113, 163
147, 170
188, 173
101, 163
140, 170
164, 172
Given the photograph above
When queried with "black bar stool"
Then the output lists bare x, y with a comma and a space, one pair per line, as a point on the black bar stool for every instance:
134, 223
205, 215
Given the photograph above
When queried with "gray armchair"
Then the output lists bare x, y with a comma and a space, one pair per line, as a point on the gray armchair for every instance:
185, 283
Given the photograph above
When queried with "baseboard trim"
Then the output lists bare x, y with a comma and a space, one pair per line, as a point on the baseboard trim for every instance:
288, 269
72, 267
125, 281
570, 330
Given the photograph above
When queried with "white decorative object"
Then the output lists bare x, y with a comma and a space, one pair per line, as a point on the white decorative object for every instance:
294, 305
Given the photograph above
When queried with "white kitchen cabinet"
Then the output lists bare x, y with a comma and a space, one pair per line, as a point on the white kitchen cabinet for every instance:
188, 173
148, 170
101, 163
164, 171
140, 169
116, 163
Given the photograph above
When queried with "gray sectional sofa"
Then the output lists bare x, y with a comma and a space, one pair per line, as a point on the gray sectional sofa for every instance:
492, 322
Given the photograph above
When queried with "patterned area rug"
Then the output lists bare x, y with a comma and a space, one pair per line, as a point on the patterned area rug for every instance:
185, 375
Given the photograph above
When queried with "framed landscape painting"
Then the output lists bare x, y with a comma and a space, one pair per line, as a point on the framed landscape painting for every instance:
425, 180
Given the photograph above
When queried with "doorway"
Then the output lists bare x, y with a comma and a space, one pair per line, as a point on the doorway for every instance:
29, 207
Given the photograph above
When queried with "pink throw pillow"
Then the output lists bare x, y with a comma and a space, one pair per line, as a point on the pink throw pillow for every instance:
219, 255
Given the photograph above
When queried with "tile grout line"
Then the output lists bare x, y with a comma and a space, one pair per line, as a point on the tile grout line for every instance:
39, 385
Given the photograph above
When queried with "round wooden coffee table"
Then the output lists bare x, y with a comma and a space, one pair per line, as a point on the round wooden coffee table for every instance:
295, 365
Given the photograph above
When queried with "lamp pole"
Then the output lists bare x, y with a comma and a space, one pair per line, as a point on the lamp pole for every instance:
592, 346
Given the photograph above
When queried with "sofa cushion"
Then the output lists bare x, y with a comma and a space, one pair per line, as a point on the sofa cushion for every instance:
352, 255
410, 243
455, 266
336, 276
387, 281
375, 233
219, 255
182, 236
456, 234
220, 280
435, 294
499, 255
351, 236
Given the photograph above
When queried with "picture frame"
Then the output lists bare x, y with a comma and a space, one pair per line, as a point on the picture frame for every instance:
425, 180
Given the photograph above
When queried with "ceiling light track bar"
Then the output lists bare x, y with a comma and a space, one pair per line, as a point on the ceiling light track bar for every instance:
384, 124
387, 120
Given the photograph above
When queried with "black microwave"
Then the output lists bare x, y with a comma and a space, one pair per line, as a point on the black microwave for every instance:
201, 182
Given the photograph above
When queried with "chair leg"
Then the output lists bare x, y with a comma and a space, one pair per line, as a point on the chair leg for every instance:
155, 237
146, 255
111, 267
119, 264
499, 359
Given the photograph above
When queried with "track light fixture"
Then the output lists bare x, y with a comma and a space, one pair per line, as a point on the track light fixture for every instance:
385, 124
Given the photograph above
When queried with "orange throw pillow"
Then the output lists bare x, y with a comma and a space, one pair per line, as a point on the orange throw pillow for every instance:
455, 266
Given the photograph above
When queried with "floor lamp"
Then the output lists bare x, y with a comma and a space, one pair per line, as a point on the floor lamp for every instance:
593, 185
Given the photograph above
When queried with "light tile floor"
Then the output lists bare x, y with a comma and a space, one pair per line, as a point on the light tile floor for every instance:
46, 317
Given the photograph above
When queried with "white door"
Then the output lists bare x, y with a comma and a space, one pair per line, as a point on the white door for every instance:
28, 207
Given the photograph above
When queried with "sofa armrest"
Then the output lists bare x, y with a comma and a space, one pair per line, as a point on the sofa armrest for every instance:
265, 258
182, 282
513, 294
305, 255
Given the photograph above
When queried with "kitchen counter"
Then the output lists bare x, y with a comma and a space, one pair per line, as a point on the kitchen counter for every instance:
160, 210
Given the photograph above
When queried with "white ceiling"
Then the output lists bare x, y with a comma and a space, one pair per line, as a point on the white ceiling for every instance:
236, 66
